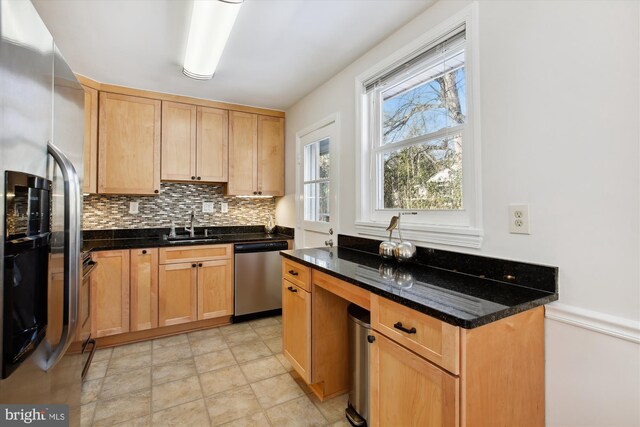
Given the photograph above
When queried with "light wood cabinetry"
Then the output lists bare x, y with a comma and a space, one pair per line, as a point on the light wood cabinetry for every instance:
270, 156
212, 144
90, 176
406, 390
144, 289
430, 338
296, 328
129, 145
243, 154
196, 283
422, 371
194, 143
256, 155
178, 142
177, 290
110, 293
215, 290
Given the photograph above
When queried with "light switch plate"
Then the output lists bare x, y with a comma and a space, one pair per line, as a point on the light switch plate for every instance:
519, 220
224, 207
133, 207
207, 207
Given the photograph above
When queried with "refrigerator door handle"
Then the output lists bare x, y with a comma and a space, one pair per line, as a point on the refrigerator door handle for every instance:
72, 242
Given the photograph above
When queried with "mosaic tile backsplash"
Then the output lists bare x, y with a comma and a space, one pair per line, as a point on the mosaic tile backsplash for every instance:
175, 202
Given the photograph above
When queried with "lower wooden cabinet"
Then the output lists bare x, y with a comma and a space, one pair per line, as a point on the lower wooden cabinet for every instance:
407, 390
296, 328
144, 289
215, 289
110, 293
177, 290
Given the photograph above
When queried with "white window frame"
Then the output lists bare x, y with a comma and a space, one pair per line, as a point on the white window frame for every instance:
449, 227
319, 131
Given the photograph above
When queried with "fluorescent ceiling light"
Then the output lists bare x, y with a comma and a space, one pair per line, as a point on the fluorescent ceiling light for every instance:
211, 24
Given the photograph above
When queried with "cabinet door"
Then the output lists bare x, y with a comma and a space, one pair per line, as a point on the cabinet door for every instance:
144, 289
213, 145
110, 294
243, 150
177, 296
270, 156
129, 145
215, 289
406, 390
296, 328
178, 142
90, 177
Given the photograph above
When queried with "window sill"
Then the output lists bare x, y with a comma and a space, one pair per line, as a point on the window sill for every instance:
453, 236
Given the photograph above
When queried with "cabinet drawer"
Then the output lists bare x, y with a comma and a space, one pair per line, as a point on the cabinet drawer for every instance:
195, 253
296, 273
433, 339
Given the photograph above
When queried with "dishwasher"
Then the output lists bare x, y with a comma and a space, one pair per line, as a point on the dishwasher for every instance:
258, 278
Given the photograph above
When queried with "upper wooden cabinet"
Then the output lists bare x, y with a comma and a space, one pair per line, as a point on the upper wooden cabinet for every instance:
129, 145
270, 156
194, 143
178, 142
212, 144
90, 178
256, 155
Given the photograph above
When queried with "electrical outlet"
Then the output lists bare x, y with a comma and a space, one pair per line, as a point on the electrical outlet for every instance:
224, 207
207, 207
519, 219
133, 207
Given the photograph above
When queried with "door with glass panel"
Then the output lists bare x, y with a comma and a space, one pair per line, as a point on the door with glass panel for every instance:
317, 190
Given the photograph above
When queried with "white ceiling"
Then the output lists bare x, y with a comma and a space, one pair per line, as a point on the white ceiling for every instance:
279, 50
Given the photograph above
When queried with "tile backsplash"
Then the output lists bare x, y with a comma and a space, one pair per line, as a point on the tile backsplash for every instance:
175, 202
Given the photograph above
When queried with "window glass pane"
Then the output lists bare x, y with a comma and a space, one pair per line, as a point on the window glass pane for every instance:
316, 202
423, 176
316, 160
428, 101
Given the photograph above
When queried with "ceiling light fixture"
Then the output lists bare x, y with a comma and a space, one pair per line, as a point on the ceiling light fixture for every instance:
211, 24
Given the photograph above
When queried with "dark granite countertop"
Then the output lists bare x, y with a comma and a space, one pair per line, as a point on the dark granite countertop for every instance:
104, 240
457, 298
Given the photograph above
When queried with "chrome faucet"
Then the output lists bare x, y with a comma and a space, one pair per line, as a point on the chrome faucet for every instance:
192, 230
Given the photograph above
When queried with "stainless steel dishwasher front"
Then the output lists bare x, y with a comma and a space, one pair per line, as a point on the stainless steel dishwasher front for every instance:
258, 275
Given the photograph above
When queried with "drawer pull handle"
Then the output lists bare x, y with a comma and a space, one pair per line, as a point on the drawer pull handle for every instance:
292, 289
403, 329
293, 272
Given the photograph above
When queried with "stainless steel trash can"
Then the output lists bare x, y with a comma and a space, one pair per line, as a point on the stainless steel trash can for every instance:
357, 411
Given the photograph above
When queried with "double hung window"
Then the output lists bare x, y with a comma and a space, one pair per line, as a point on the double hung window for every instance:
417, 142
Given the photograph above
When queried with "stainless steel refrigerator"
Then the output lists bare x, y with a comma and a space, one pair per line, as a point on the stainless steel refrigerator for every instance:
41, 143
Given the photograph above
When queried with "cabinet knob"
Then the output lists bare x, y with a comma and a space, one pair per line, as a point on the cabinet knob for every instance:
292, 289
200, 265
255, 192
293, 272
371, 338
199, 178
156, 191
259, 192
144, 252
193, 265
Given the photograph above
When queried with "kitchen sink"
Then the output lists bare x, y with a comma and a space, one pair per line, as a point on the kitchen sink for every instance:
185, 238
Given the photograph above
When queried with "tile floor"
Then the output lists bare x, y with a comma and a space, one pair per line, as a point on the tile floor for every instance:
234, 375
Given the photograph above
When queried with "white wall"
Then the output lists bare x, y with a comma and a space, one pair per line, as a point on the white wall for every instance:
560, 117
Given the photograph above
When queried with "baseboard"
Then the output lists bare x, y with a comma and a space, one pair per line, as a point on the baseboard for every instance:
607, 324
